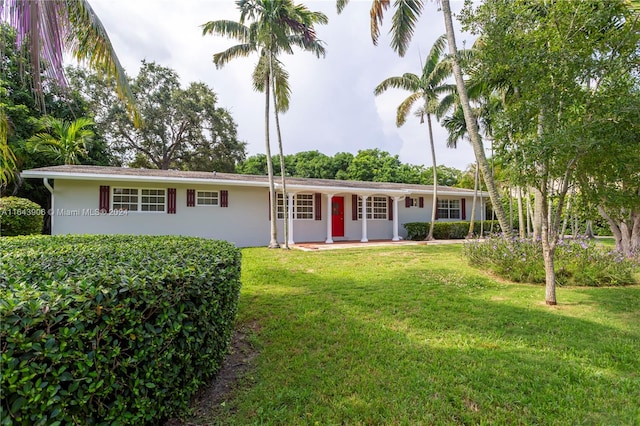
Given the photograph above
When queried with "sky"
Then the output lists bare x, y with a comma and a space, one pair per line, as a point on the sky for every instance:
332, 107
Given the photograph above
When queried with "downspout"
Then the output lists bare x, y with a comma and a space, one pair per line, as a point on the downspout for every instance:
52, 209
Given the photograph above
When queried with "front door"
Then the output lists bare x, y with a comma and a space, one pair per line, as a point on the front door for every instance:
337, 216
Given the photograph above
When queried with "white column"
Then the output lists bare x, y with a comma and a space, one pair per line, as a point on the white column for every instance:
290, 218
396, 237
364, 219
329, 220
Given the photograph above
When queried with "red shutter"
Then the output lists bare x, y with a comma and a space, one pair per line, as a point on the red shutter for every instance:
421, 202
191, 197
436, 209
318, 205
171, 200
224, 198
354, 207
407, 202
463, 208
104, 198
390, 208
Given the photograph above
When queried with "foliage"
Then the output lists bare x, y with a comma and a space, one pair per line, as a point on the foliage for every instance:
19, 216
111, 329
579, 262
413, 335
62, 141
417, 231
184, 128
47, 30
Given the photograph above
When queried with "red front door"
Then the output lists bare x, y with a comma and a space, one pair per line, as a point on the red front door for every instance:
337, 216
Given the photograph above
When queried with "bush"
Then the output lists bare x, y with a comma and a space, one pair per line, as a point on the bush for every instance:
111, 329
19, 216
417, 231
577, 262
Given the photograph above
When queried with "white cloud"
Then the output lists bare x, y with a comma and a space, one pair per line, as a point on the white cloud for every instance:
333, 108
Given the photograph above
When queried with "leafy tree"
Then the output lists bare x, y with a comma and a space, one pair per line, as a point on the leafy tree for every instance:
50, 28
62, 141
562, 60
425, 89
404, 20
184, 128
373, 165
276, 26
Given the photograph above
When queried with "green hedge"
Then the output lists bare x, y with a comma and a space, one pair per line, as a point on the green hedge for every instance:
417, 231
111, 329
19, 216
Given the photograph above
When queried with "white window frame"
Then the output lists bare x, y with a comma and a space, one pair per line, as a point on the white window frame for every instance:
377, 208
448, 206
415, 202
304, 207
139, 197
200, 196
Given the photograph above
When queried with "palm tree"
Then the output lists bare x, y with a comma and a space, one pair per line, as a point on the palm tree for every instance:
404, 20
54, 27
425, 88
276, 26
62, 141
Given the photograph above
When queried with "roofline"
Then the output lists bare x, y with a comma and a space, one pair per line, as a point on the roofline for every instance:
294, 187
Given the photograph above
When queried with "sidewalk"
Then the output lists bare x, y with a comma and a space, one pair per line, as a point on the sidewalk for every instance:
372, 243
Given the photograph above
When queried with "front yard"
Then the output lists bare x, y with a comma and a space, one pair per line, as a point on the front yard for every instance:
412, 335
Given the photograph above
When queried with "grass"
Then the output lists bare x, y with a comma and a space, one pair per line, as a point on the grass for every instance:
412, 335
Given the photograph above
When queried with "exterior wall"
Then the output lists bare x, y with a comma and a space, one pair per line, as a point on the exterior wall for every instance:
245, 222
76, 204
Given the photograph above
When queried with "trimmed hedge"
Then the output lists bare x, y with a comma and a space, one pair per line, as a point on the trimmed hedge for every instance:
106, 330
417, 231
19, 216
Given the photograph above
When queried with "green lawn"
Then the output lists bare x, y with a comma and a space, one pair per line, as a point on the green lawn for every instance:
412, 335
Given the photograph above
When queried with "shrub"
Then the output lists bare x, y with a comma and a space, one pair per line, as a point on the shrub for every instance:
417, 231
111, 329
577, 262
19, 216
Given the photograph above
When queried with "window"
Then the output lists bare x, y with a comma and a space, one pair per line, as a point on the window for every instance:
303, 206
376, 207
125, 199
448, 209
143, 200
413, 202
207, 198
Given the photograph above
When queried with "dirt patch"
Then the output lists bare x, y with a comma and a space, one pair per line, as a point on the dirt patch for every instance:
235, 366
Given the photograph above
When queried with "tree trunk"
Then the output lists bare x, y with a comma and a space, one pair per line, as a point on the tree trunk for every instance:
538, 214
472, 126
473, 205
281, 155
521, 224
627, 235
273, 201
566, 215
548, 253
435, 181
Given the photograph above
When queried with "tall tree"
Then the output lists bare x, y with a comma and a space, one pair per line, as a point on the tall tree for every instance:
565, 59
403, 24
425, 89
184, 128
275, 26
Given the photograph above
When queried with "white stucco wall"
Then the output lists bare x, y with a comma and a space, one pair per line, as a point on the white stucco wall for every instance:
245, 222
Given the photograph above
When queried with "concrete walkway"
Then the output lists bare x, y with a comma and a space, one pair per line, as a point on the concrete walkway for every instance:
372, 243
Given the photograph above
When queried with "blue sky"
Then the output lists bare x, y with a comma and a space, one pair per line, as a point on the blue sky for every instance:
333, 108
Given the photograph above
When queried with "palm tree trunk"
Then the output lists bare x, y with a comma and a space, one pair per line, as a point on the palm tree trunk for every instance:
273, 243
472, 126
435, 181
281, 155
473, 205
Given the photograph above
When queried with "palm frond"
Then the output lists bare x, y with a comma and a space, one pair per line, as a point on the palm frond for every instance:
226, 28
403, 24
238, 51
314, 46
405, 108
341, 4
378, 7
409, 82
